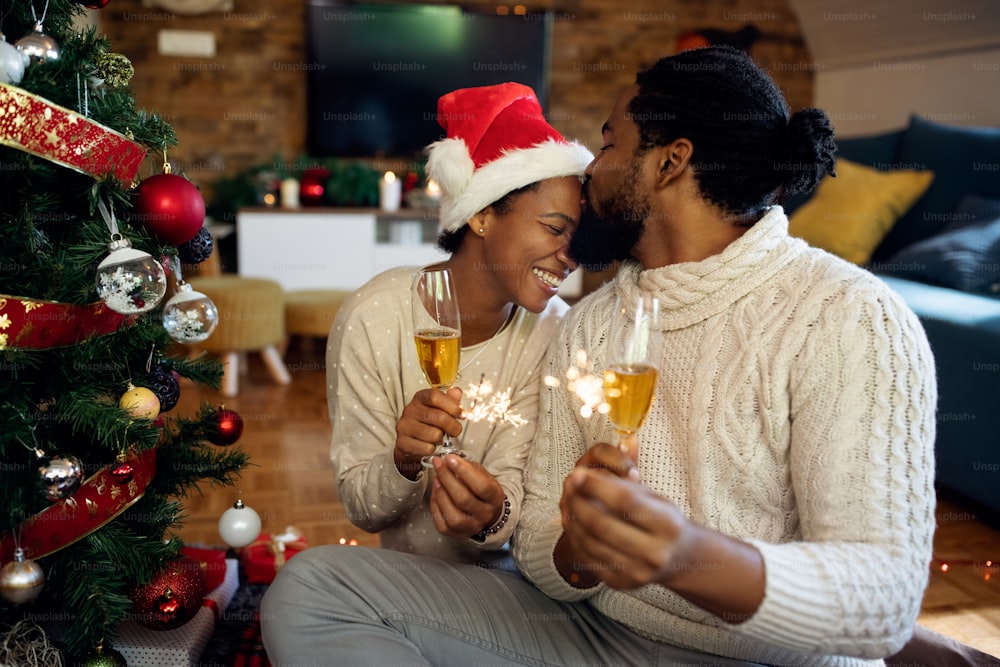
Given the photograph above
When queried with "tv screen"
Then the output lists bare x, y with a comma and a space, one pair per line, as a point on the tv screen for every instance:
376, 71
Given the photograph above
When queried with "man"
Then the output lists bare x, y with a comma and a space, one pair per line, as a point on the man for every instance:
781, 507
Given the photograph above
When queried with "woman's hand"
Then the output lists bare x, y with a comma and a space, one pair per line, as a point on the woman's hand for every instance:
426, 418
465, 499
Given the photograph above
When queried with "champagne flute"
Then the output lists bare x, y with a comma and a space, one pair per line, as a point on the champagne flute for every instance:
437, 332
630, 376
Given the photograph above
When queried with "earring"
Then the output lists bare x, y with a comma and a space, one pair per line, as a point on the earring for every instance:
482, 230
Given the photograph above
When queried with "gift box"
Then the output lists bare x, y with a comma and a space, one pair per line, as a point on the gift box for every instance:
183, 646
262, 559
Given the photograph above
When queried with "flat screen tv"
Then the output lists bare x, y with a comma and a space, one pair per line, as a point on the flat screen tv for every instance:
376, 71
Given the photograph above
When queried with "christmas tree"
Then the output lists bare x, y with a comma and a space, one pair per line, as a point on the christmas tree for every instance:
93, 337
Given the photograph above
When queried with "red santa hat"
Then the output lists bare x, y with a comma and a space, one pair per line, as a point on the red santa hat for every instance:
497, 141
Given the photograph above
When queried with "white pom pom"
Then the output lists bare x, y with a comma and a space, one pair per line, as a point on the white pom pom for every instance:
451, 166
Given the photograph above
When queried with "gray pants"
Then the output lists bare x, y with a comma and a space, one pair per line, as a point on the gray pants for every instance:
355, 607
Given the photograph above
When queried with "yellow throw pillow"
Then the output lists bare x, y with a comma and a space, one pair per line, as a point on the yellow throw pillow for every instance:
850, 214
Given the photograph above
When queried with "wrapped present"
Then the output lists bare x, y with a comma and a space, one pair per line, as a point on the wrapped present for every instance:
182, 646
262, 559
213, 564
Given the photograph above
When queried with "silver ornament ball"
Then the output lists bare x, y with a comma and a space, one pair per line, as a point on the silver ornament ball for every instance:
62, 475
38, 46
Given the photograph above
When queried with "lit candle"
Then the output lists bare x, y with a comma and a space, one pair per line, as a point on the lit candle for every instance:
433, 191
290, 193
389, 192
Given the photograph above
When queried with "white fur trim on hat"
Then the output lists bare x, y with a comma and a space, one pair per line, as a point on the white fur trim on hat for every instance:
465, 191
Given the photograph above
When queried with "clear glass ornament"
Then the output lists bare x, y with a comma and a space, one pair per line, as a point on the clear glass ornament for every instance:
38, 46
130, 281
190, 316
12, 62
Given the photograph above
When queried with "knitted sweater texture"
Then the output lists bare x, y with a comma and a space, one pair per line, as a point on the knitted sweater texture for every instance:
795, 409
372, 373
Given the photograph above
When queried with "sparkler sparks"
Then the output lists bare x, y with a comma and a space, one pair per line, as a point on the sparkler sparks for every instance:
491, 406
583, 384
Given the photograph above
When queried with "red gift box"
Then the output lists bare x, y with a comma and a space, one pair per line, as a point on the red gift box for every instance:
213, 564
262, 559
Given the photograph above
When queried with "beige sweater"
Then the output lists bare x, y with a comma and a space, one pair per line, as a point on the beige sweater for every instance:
795, 410
372, 373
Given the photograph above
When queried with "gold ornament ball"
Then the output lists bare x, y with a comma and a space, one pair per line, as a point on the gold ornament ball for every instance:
21, 580
140, 402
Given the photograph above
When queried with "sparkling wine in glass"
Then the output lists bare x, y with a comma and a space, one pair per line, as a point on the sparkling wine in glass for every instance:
630, 376
437, 332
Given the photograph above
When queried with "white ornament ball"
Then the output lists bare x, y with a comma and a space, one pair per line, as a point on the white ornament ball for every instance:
190, 316
11, 63
239, 525
130, 281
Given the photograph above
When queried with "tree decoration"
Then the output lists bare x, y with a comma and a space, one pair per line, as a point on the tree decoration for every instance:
198, 249
114, 69
227, 429
169, 206
130, 281
239, 525
12, 62
37, 46
100, 4
104, 656
189, 316
27, 644
61, 475
172, 597
21, 580
140, 402
164, 383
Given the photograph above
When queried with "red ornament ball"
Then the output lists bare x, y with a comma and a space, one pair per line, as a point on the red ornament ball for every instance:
100, 4
172, 597
227, 429
170, 207
122, 472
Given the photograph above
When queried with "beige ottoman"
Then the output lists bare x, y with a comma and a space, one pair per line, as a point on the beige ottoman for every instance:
251, 319
310, 313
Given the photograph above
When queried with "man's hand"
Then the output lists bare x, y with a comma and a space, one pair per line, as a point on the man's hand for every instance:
465, 498
426, 418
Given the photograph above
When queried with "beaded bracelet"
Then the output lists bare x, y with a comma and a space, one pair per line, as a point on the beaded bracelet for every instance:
495, 528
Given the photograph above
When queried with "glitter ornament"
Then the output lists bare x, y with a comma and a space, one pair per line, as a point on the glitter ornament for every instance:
164, 383
172, 597
227, 429
239, 525
198, 249
190, 316
38, 46
61, 475
12, 62
114, 69
130, 281
140, 402
102, 656
21, 580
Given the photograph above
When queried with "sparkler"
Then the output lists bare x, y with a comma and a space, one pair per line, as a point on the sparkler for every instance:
583, 384
491, 406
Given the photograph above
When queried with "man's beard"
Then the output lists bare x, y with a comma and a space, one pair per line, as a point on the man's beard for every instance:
601, 240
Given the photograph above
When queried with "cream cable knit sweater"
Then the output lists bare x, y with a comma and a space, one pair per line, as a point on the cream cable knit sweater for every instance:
795, 410
372, 373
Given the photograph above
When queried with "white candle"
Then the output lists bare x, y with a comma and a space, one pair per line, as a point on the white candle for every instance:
390, 190
290, 193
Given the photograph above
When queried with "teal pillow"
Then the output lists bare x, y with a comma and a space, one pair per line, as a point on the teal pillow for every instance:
963, 159
965, 257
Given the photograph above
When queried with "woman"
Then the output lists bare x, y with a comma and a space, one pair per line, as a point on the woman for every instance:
510, 201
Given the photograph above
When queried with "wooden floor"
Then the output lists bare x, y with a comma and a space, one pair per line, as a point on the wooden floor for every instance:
290, 483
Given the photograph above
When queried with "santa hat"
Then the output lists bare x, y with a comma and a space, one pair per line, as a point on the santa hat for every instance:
497, 141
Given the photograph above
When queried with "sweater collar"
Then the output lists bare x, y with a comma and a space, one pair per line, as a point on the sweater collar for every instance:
694, 291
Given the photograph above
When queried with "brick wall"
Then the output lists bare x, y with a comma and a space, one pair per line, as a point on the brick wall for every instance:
247, 105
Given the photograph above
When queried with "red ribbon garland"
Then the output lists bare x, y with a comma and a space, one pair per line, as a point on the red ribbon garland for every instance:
98, 500
35, 324
32, 124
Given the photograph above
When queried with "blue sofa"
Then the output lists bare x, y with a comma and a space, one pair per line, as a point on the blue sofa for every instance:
943, 257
